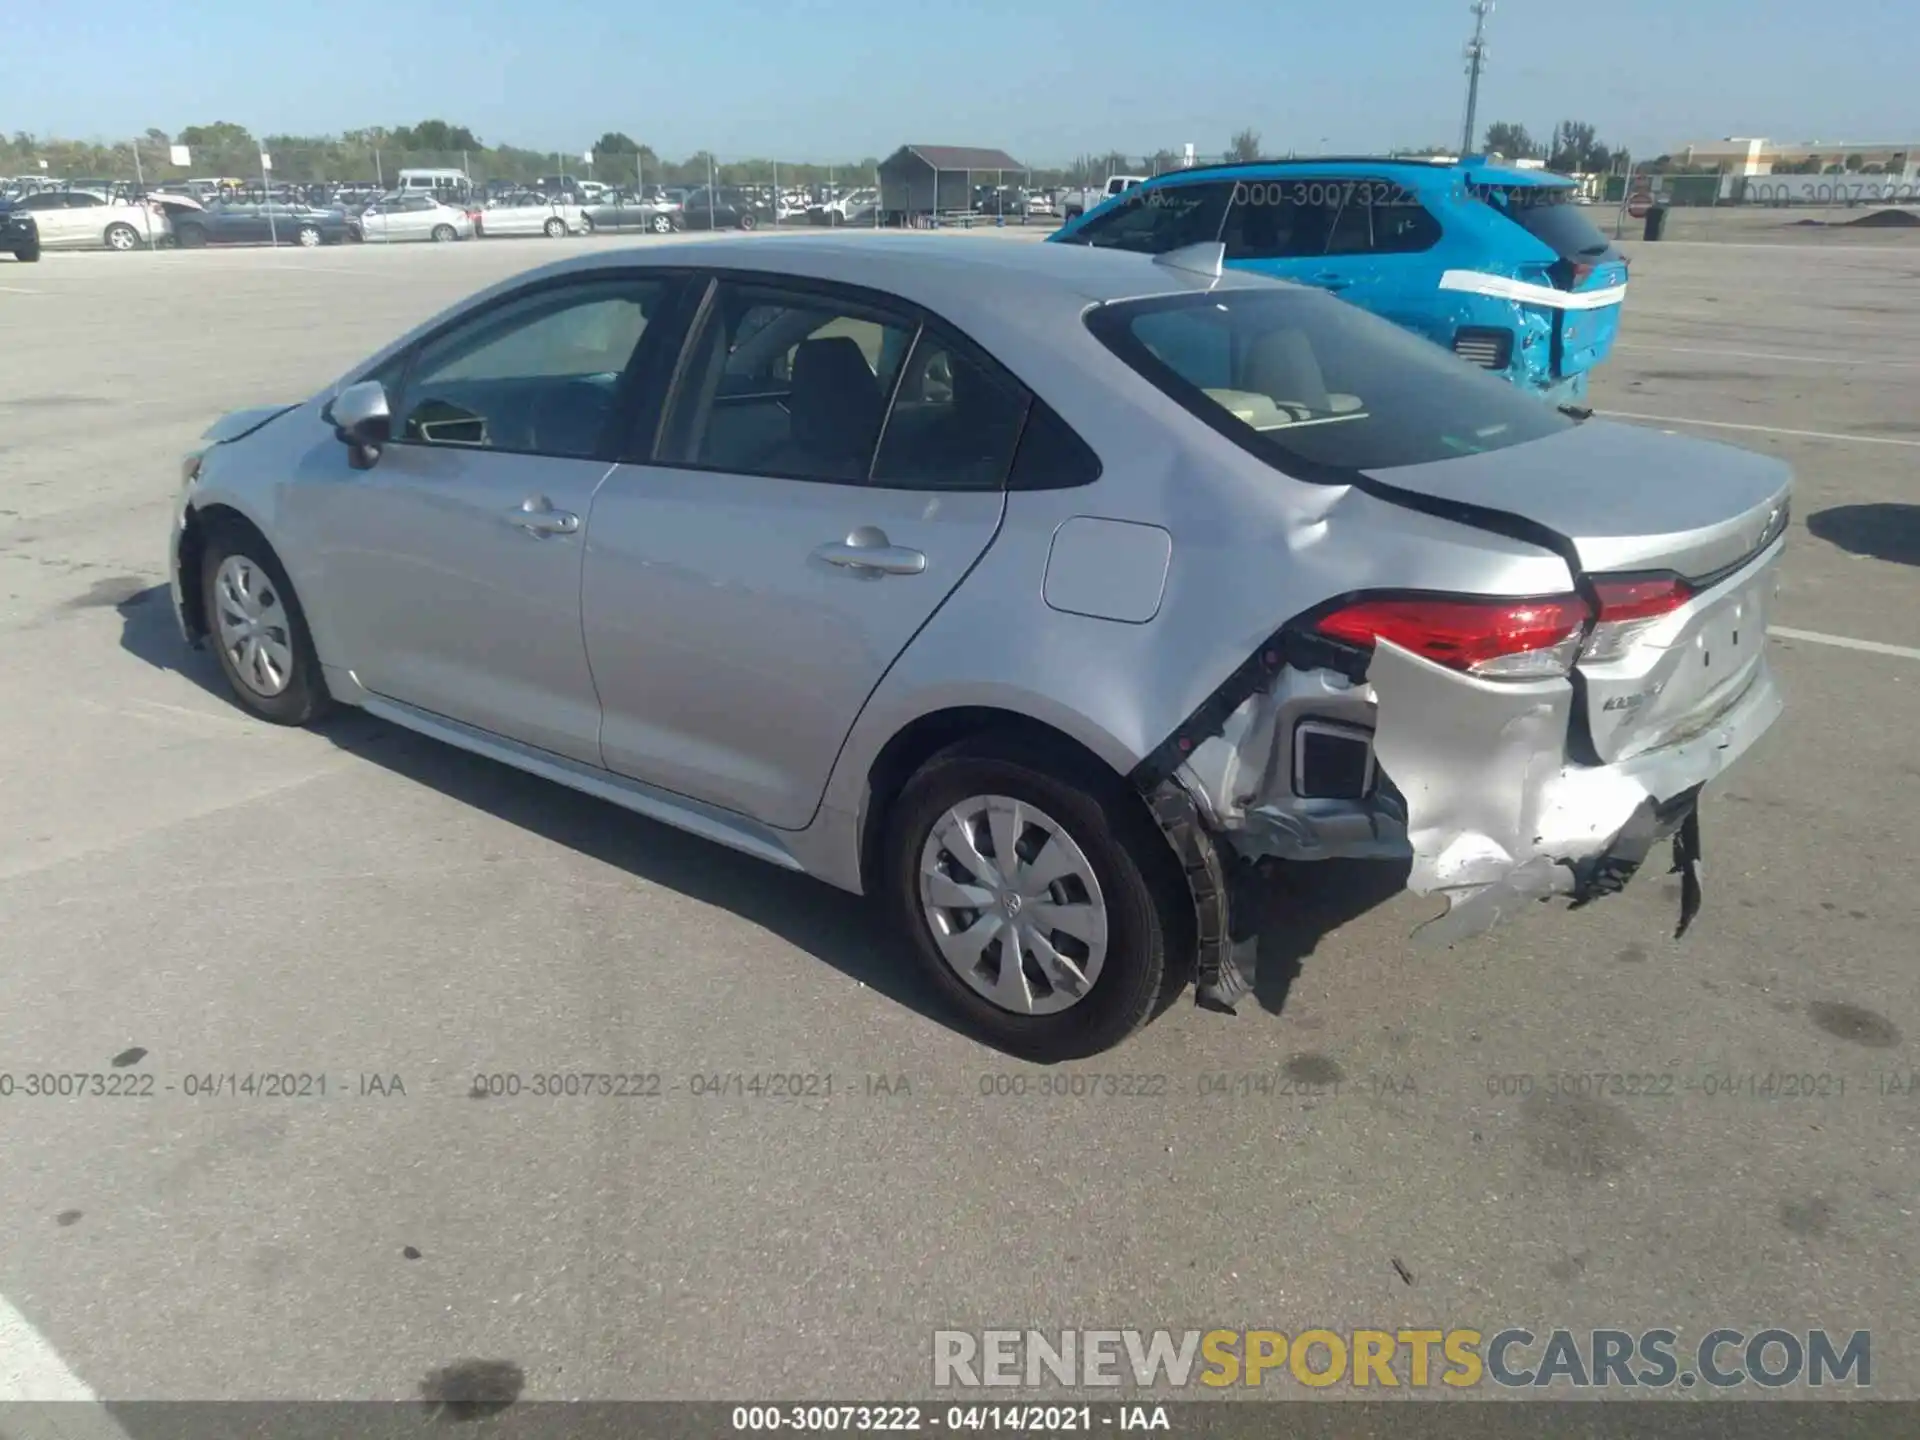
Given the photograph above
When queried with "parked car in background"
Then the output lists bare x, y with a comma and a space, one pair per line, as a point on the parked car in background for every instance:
414, 217
524, 212
1496, 264
236, 222
19, 233
720, 209
87, 220
623, 210
842, 210
1079, 202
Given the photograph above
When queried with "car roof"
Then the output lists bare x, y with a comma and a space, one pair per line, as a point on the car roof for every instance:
953, 275
1479, 168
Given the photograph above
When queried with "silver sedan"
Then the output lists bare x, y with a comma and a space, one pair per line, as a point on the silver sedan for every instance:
1036, 591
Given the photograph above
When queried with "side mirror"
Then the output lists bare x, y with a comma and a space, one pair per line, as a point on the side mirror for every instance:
362, 421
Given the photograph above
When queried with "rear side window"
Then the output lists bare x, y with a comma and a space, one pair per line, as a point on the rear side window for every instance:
1155, 220
1315, 386
1547, 213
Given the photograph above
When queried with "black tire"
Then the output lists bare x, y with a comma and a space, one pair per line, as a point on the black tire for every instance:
442, 234
555, 228
27, 254
308, 237
1147, 939
661, 225
305, 698
191, 237
122, 237
749, 221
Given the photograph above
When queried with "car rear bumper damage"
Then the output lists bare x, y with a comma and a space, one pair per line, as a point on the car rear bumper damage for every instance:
1468, 779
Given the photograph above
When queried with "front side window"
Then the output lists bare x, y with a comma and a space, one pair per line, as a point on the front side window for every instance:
1316, 386
536, 375
1154, 220
789, 384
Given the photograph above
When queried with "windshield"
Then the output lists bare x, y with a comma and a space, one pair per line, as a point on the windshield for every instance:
1547, 213
1311, 383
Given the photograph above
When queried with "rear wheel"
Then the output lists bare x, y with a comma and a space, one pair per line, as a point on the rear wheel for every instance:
191, 237
122, 237
556, 227
258, 630
662, 225
749, 220
27, 254
309, 236
1037, 894
444, 233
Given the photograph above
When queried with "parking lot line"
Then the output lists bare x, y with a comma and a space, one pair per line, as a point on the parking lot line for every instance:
1769, 355
32, 1372
1761, 429
1844, 642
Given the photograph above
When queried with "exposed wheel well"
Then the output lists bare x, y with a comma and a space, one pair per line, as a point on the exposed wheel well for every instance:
906, 752
203, 522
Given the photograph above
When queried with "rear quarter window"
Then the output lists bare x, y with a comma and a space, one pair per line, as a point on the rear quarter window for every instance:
1317, 387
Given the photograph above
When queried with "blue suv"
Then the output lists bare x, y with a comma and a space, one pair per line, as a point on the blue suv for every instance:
1495, 263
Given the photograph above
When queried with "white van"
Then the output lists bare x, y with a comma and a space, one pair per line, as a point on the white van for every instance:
443, 183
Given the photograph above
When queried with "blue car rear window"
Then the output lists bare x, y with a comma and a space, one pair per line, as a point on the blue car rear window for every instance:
1315, 386
1549, 215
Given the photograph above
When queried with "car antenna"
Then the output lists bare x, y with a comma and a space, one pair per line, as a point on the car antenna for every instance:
1207, 259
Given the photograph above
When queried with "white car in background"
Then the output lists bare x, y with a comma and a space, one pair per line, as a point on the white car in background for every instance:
414, 217
88, 220
522, 212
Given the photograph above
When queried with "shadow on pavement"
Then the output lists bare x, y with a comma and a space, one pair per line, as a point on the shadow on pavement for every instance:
1881, 532
1299, 904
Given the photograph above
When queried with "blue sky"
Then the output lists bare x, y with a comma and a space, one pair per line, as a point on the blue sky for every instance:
1044, 79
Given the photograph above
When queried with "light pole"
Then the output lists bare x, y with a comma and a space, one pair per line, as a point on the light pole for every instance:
1476, 62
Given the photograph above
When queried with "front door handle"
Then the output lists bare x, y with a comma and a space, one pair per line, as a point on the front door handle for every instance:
537, 516
868, 551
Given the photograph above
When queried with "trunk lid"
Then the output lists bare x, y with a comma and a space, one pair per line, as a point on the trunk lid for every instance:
1631, 509
1585, 266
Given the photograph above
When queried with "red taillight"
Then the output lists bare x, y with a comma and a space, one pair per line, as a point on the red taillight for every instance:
1630, 606
1493, 638
1641, 599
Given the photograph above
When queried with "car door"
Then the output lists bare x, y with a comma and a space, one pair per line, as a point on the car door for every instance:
410, 217
1377, 256
1281, 227
450, 570
65, 218
758, 567
374, 223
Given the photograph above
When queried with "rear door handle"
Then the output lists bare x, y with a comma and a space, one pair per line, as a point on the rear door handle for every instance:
537, 516
867, 550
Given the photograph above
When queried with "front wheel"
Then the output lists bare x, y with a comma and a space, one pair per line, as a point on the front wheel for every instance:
259, 632
555, 228
190, 237
442, 234
1038, 896
662, 225
749, 221
27, 254
309, 237
122, 237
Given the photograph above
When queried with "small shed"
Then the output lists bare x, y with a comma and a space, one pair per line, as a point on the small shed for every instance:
925, 179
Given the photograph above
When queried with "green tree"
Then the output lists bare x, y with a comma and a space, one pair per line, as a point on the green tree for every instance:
1244, 146
1506, 138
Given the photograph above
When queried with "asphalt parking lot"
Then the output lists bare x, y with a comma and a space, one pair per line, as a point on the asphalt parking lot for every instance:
186, 893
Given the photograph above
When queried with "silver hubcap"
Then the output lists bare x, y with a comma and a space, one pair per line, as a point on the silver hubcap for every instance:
254, 630
1014, 905
309, 238
121, 239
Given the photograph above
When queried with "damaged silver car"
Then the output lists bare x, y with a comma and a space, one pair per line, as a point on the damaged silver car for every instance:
1039, 592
